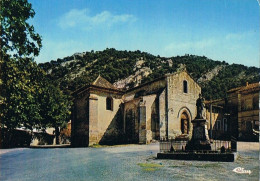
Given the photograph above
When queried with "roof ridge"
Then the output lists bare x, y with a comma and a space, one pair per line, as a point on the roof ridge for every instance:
102, 82
252, 85
95, 81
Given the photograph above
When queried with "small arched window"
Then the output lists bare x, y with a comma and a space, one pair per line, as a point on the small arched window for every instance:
109, 103
185, 86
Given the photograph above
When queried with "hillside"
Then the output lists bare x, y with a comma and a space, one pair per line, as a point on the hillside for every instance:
127, 69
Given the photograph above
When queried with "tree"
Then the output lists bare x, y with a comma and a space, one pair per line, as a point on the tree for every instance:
55, 108
19, 75
27, 98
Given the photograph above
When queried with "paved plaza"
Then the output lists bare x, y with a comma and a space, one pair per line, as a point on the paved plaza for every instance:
126, 162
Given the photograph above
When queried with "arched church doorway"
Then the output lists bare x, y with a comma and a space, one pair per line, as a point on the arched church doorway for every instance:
185, 124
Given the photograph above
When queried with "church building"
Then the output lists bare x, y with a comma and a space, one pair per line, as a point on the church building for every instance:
104, 114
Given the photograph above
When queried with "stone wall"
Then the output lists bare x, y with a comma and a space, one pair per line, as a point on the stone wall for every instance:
248, 114
139, 116
179, 101
105, 126
151, 111
80, 121
146, 89
92, 123
216, 115
131, 121
142, 111
219, 122
233, 111
145, 135
93, 119
163, 124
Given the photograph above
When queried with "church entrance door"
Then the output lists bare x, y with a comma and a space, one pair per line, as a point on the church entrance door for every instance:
184, 123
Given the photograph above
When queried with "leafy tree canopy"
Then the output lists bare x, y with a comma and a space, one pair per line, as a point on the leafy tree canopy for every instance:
17, 35
27, 98
21, 85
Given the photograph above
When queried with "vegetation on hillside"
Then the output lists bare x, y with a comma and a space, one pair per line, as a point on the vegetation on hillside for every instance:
77, 70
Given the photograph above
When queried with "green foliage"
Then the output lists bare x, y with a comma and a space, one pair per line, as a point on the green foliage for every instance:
229, 77
21, 83
27, 99
20, 76
150, 166
115, 65
15, 29
54, 107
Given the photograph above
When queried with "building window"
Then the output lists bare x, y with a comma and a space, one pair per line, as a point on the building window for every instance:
185, 86
109, 103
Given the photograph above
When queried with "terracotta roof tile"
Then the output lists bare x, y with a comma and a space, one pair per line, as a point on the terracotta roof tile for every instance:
250, 86
243, 88
234, 89
101, 82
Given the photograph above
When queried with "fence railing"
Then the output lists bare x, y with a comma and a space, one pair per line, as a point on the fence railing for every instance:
179, 146
167, 145
216, 145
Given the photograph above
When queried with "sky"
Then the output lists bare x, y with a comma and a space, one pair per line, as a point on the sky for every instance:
225, 30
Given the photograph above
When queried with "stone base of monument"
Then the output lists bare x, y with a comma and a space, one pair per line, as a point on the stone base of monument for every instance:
200, 138
219, 157
199, 147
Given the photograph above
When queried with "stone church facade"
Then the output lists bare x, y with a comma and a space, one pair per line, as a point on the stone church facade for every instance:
158, 109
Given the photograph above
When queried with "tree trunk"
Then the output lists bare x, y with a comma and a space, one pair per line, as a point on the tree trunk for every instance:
57, 135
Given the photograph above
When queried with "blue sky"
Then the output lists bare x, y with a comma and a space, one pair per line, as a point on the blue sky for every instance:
219, 29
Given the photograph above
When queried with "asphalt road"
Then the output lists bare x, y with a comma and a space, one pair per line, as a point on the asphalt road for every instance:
127, 162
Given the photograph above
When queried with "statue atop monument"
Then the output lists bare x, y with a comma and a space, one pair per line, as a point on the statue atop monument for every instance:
200, 106
200, 138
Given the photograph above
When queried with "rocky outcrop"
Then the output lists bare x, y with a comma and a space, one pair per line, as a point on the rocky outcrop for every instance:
136, 78
210, 74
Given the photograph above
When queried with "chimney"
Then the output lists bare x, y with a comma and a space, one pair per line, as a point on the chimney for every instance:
246, 83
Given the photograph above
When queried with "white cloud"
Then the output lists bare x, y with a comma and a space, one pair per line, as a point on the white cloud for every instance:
239, 36
53, 50
186, 47
232, 47
83, 19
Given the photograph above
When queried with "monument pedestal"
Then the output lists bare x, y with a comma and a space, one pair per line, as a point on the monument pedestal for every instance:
199, 147
200, 138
